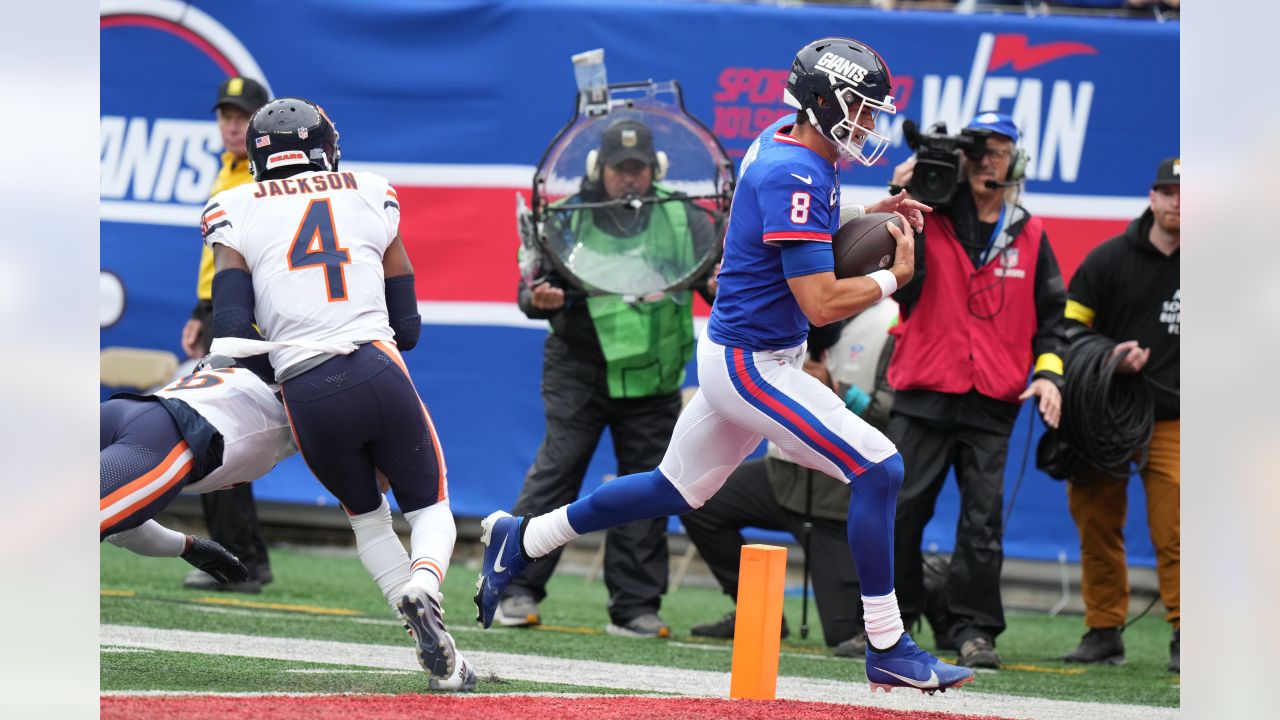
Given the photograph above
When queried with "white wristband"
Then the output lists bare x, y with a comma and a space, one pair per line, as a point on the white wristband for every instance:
887, 281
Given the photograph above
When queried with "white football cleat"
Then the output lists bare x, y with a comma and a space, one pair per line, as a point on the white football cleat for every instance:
463, 678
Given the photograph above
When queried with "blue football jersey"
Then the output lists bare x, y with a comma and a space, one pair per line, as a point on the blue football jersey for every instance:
786, 193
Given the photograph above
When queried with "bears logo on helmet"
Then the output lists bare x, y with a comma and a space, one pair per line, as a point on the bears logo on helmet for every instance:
832, 81
291, 131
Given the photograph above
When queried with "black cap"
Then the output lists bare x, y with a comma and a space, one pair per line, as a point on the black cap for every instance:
1170, 173
242, 92
627, 140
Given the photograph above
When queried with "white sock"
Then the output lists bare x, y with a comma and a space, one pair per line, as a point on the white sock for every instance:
548, 532
431, 543
380, 550
151, 539
883, 620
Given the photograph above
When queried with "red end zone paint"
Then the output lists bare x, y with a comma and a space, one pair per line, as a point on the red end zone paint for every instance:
491, 707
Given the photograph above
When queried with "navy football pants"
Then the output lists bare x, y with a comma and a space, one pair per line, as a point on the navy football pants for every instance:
358, 414
143, 462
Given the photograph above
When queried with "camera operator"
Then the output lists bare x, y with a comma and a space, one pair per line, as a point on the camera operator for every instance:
984, 309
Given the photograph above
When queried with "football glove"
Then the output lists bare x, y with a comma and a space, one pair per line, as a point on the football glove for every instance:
214, 559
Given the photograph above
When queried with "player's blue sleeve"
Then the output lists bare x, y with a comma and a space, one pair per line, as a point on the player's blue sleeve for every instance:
807, 258
795, 204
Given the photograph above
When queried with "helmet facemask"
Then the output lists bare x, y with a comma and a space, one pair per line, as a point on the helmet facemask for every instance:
832, 81
850, 138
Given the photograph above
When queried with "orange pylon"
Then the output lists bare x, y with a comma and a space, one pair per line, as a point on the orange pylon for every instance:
756, 634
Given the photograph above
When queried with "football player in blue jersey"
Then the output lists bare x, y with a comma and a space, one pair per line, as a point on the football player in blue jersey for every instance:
776, 277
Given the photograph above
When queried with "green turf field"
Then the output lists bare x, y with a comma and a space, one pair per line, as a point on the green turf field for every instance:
328, 596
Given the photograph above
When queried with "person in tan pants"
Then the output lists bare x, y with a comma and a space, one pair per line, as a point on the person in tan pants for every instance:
1127, 289
1099, 506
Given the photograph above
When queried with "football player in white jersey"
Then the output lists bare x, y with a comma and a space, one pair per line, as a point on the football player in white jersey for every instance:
210, 430
313, 258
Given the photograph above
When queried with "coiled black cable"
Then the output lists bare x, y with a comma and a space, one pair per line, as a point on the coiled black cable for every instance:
1105, 416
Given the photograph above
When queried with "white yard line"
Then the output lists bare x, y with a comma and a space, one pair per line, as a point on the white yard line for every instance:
347, 671
456, 630
729, 649
677, 681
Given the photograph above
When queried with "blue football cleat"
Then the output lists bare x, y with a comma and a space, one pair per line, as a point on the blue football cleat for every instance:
907, 666
503, 562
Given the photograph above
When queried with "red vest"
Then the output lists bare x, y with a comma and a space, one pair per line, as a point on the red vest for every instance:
970, 329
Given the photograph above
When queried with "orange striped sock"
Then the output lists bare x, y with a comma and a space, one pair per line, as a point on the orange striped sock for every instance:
431, 538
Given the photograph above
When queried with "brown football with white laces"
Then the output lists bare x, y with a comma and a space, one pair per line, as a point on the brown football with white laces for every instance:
864, 245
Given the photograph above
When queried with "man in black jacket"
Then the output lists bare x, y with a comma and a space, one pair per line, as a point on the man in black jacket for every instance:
983, 311
1128, 289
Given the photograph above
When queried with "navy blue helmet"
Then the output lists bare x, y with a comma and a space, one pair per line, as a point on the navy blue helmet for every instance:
291, 131
832, 81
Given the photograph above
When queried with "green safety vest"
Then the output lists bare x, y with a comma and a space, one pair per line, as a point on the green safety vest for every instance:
646, 345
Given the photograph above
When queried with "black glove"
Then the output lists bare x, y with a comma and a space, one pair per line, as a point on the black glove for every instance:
214, 559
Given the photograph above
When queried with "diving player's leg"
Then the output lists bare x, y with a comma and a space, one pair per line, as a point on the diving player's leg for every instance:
142, 468
704, 449
143, 463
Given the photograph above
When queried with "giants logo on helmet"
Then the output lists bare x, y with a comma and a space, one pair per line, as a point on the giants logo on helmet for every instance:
843, 68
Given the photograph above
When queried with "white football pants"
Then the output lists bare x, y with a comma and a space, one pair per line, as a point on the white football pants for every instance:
745, 396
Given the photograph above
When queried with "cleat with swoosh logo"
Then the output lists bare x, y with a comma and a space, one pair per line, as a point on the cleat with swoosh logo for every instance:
503, 562
905, 665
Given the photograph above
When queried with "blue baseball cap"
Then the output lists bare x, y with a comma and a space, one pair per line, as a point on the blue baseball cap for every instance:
997, 123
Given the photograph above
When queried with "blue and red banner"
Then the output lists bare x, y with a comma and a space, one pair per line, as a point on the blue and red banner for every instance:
454, 101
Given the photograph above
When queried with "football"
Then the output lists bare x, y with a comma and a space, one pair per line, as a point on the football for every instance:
864, 245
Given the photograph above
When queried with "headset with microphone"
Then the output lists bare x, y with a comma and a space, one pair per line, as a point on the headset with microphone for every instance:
593, 165
1017, 171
